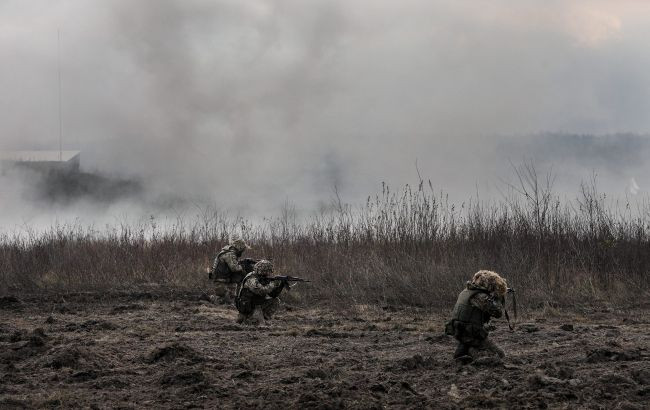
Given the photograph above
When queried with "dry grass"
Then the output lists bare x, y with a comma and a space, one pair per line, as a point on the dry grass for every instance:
405, 248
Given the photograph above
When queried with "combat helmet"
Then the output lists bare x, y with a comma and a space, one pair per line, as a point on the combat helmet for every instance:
491, 281
263, 267
239, 244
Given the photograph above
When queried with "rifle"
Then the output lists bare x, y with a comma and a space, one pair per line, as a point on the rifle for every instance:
248, 264
287, 279
514, 308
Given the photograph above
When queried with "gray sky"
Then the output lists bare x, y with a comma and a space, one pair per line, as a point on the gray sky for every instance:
248, 103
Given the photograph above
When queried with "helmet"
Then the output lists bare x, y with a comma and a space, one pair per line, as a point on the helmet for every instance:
490, 281
263, 267
239, 244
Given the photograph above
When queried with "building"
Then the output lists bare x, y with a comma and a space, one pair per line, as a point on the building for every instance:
42, 161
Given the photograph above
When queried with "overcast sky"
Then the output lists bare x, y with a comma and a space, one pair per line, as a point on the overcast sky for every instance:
260, 101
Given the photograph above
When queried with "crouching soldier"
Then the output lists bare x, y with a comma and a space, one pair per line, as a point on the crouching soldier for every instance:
482, 299
226, 270
258, 290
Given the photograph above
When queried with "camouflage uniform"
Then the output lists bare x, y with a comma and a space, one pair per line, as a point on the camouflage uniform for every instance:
482, 299
258, 291
226, 271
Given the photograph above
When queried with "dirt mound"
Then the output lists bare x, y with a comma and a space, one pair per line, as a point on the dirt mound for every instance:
182, 377
10, 303
315, 401
559, 370
246, 374
78, 358
9, 403
230, 328
132, 307
318, 374
90, 325
417, 362
607, 355
112, 383
325, 333
83, 376
173, 352
539, 380
641, 376
528, 327
23, 345
484, 401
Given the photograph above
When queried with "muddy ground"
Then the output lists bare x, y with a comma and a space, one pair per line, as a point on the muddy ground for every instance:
143, 350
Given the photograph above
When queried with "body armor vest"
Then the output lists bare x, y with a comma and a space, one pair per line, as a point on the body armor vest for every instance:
221, 272
246, 300
465, 312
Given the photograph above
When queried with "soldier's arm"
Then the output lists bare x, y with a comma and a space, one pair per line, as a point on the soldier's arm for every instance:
231, 260
255, 286
493, 306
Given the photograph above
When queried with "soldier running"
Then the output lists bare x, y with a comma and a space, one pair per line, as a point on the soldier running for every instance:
482, 299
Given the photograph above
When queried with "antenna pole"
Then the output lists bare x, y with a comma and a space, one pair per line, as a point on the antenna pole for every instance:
58, 55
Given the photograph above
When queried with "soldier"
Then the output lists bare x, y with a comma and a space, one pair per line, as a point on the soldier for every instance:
226, 270
257, 290
482, 299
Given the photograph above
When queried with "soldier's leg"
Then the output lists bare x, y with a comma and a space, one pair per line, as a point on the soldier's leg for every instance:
270, 307
224, 293
220, 289
247, 317
231, 292
218, 293
243, 318
474, 347
246, 309
485, 347
489, 346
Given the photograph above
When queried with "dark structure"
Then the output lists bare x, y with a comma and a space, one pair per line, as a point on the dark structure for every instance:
42, 161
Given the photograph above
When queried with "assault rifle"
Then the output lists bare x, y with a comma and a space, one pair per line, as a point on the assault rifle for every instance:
248, 264
287, 279
509, 291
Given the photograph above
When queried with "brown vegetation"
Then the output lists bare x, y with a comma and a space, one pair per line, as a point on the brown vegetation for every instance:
407, 248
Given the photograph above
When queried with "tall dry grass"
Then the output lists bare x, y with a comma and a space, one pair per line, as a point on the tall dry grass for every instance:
410, 247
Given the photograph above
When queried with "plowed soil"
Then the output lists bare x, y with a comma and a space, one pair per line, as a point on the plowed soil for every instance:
150, 350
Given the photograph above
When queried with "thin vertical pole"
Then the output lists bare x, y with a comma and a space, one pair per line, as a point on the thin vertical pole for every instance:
58, 31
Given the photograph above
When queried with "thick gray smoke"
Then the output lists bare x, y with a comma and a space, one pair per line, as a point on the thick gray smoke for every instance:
246, 104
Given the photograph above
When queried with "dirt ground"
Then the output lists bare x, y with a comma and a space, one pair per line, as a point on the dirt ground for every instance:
145, 350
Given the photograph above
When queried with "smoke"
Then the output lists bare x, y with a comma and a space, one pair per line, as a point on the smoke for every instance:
248, 104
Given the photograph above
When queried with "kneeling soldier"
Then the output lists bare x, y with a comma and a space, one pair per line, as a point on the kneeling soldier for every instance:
258, 290
227, 271
482, 299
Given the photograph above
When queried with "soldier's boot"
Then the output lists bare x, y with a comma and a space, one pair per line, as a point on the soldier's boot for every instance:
269, 308
249, 318
461, 350
462, 354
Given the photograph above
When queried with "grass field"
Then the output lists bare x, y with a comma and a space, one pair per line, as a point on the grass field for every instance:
406, 248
